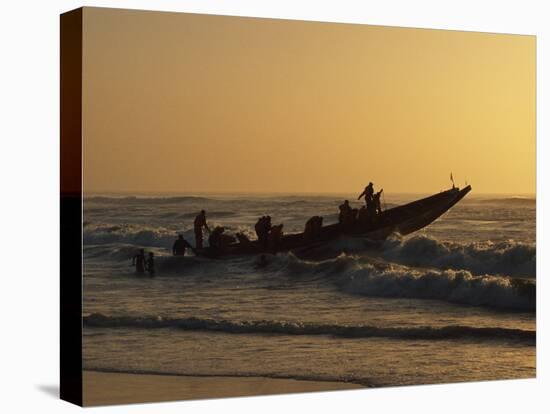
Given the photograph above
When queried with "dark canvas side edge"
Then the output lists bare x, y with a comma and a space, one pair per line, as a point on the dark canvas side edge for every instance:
71, 206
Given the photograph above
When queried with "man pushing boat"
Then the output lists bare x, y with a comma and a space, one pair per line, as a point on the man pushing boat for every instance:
199, 223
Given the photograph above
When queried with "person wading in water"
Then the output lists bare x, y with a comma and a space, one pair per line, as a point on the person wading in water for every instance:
178, 249
139, 261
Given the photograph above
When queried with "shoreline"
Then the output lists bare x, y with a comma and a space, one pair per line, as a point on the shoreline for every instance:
111, 388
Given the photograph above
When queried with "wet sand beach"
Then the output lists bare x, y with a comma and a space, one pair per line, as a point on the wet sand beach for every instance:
105, 388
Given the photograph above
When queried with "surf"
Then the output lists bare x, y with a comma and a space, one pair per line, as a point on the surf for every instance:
454, 286
274, 327
506, 257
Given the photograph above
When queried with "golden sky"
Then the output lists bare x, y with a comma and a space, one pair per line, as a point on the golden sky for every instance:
195, 103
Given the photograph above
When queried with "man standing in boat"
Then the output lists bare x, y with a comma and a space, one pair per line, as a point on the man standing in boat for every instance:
200, 222
368, 192
263, 227
376, 202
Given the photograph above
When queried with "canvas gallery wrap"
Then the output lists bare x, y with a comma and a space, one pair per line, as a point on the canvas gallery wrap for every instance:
259, 206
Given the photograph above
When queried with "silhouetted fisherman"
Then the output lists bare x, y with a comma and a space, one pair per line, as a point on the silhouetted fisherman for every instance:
262, 228
178, 249
368, 192
275, 236
139, 261
200, 222
150, 265
313, 227
376, 201
259, 227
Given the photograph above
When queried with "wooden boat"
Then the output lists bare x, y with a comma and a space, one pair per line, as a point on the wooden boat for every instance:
404, 219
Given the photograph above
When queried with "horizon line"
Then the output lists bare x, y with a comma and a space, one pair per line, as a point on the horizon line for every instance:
231, 192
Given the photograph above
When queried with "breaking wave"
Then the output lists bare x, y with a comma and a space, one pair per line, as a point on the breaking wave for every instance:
507, 258
375, 277
302, 328
136, 234
114, 252
142, 235
456, 286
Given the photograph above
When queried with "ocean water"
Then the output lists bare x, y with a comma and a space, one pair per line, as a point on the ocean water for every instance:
452, 302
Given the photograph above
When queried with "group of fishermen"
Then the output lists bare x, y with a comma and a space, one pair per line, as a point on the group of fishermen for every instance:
147, 264
269, 235
366, 214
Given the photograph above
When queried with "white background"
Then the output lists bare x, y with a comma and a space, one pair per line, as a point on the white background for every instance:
29, 163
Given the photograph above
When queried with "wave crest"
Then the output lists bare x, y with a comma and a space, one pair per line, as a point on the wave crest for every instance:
456, 286
508, 257
136, 234
303, 328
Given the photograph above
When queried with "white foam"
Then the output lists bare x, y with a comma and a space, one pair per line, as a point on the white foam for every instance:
456, 286
507, 257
